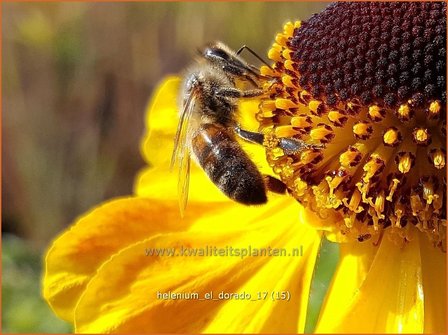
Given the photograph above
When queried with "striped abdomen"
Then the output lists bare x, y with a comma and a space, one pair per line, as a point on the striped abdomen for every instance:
227, 165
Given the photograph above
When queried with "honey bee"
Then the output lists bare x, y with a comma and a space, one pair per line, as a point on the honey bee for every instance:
208, 128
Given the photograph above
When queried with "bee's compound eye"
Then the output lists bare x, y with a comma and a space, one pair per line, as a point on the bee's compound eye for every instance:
215, 53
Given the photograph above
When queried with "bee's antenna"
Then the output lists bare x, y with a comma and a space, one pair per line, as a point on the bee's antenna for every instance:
245, 47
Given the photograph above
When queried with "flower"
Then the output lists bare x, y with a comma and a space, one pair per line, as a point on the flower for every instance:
100, 278
377, 189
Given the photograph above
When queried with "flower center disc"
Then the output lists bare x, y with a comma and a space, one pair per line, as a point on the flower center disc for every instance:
365, 84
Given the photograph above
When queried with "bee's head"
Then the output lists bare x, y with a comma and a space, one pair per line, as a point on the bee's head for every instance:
217, 53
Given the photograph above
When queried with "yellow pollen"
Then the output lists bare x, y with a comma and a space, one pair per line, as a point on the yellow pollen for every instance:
285, 131
421, 136
362, 130
434, 108
269, 105
392, 137
281, 39
286, 54
300, 187
375, 219
404, 112
308, 156
350, 157
288, 28
275, 53
376, 113
301, 121
405, 162
337, 118
349, 221
314, 105
289, 65
285, 104
288, 81
270, 141
321, 133
287, 171
267, 71
334, 199
438, 158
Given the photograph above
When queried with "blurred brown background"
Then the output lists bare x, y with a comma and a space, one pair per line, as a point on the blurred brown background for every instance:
76, 79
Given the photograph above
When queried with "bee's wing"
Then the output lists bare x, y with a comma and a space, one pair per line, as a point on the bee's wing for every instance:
181, 152
183, 183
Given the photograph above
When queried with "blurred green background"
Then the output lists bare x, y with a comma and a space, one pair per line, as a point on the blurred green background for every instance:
76, 79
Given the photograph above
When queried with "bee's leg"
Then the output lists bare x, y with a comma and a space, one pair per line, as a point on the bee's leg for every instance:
289, 145
274, 185
249, 136
230, 92
243, 71
251, 93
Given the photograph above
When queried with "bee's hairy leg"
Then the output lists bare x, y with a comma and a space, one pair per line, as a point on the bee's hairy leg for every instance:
241, 72
274, 185
289, 145
249, 136
230, 92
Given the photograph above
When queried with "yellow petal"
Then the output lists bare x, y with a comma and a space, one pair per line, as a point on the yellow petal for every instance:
354, 263
248, 108
162, 184
434, 287
122, 297
257, 154
161, 122
75, 255
390, 295
280, 276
